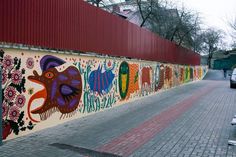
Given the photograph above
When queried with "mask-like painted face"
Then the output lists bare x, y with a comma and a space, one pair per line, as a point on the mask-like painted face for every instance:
62, 90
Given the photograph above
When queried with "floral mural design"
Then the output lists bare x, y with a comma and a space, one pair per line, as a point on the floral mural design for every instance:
30, 63
13, 87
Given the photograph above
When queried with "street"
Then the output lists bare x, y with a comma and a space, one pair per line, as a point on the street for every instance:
189, 120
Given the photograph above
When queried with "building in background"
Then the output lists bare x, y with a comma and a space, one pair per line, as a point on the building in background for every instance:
224, 59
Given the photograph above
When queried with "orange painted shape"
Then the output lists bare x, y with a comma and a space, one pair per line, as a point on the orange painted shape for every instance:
133, 83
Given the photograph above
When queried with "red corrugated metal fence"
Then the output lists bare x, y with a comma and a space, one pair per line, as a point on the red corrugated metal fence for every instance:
76, 25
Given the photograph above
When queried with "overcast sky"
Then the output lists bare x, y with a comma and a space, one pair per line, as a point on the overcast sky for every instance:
214, 13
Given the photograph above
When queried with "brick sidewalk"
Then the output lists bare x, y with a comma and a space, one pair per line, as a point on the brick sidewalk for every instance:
199, 125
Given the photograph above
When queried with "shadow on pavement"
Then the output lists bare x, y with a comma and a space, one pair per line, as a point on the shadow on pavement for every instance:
83, 151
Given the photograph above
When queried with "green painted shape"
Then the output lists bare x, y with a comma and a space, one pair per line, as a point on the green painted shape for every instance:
123, 71
186, 74
136, 77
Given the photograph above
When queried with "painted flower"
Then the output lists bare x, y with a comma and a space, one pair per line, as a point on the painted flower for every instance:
7, 62
10, 93
20, 101
30, 63
16, 77
14, 113
4, 77
4, 109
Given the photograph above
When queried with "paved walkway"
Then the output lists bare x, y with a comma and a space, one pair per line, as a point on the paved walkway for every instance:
190, 120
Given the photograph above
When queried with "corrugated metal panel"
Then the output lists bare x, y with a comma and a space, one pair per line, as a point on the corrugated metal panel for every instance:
76, 25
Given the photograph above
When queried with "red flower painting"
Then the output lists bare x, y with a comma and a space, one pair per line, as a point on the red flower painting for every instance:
13, 87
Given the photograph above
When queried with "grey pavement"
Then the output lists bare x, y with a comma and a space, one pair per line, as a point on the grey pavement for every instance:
202, 130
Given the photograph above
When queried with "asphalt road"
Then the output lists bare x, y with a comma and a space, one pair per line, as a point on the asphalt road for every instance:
189, 120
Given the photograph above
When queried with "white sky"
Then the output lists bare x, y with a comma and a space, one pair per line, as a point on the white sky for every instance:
214, 13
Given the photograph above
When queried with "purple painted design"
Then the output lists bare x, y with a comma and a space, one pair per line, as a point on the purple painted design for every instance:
66, 90
49, 61
60, 88
73, 72
101, 81
75, 82
54, 89
62, 78
60, 101
73, 102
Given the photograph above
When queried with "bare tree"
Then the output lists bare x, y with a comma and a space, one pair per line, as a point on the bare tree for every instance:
188, 26
145, 9
212, 40
232, 24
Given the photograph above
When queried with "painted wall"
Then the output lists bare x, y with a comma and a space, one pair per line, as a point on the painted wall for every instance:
42, 89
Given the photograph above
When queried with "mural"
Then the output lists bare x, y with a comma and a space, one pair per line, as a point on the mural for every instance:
100, 85
123, 79
191, 73
146, 80
62, 90
13, 99
176, 75
133, 86
161, 77
182, 75
157, 77
101, 82
42, 90
187, 74
168, 76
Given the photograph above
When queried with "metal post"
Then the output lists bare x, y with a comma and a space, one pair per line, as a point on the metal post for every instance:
1, 130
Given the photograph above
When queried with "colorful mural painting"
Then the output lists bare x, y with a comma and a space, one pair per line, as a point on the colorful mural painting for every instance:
13, 99
123, 79
146, 80
101, 82
62, 90
42, 90
157, 77
176, 75
168, 76
161, 77
133, 86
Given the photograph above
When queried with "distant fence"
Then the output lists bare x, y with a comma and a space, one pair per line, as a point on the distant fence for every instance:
77, 25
